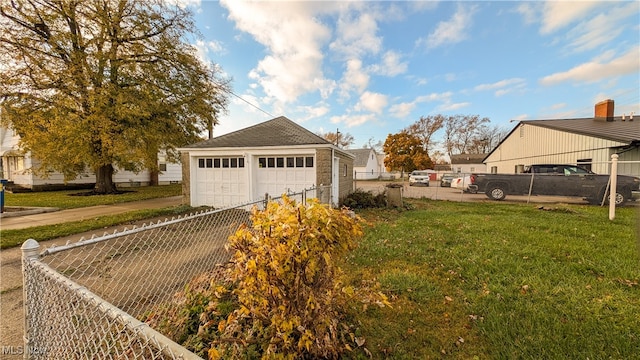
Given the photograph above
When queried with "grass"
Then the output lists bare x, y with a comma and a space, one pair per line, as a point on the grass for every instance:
488, 280
66, 200
12, 238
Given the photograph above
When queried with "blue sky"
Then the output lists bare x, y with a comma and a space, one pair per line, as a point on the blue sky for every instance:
372, 68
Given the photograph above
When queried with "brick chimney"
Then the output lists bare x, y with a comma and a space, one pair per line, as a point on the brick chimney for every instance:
604, 110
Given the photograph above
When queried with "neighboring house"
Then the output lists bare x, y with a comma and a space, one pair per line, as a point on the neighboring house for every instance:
15, 166
365, 165
589, 142
273, 157
468, 163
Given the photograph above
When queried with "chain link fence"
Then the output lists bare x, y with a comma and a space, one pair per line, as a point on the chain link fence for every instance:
83, 299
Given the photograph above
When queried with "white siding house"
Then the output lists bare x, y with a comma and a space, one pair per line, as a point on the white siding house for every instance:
589, 142
15, 166
468, 163
365, 165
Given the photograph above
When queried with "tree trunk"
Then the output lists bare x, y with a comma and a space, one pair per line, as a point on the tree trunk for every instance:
104, 180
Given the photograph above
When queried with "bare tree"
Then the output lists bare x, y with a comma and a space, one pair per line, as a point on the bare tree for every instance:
341, 140
424, 129
460, 130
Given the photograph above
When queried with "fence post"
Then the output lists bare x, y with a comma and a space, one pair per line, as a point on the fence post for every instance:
30, 250
614, 190
266, 200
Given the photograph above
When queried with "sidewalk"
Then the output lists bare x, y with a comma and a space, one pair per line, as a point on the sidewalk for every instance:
56, 217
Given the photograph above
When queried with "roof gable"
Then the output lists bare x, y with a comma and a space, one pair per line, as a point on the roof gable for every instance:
279, 131
362, 156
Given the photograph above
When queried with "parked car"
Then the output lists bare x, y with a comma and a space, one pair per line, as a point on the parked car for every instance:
419, 177
445, 180
462, 182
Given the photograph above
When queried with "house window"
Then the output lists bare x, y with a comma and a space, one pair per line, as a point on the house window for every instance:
234, 162
262, 162
280, 162
308, 161
299, 161
201, 163
225, 163
271, 162
240, 162
291, 162
216, 163
163, 167
209, 163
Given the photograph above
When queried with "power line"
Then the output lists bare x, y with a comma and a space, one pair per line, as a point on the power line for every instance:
246, 101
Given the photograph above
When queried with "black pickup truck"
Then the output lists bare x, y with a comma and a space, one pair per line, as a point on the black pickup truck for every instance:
554, 179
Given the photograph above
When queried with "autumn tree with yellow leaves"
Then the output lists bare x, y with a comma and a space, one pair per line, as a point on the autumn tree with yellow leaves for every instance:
95, 85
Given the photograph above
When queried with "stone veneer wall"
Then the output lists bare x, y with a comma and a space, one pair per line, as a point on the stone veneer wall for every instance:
324, 171
186, 178
346, 180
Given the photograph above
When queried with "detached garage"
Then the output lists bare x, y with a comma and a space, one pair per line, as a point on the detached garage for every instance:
273, 157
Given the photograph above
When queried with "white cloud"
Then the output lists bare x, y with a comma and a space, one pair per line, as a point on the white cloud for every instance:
293, 39
372, 102
452, 106
391, 65
503, 87
597, 70
404, 109
601, 29
451, 31
559, 14
528, 11
354, 78
356, 35
352, 120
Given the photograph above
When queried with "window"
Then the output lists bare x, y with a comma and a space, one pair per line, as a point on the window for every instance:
225, 163
585, 163
163, 167
308, 161
201, 163
262, 162
271, 162
280, 162
344, 170
209, 163
216, 163
234, 162
299, 161
290, 162
240, 162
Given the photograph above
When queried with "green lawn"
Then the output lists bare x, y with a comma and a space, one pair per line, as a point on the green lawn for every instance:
70, 199
496, 280
65, 200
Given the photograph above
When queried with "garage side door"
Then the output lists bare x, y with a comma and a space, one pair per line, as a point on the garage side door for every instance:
220, 181
277, 174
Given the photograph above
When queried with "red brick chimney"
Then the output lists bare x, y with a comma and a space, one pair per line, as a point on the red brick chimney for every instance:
604, 110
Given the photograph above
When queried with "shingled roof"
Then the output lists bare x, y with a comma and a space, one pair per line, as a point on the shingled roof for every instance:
627, 131
279, 131
362, 156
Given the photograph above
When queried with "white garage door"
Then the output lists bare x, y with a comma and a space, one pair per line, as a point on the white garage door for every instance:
276, 175
220, 181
